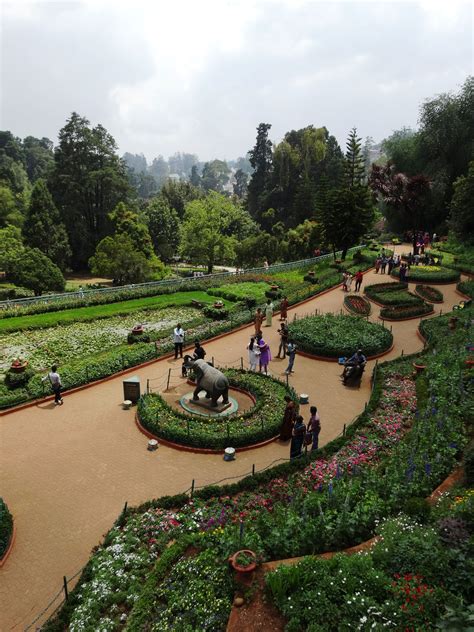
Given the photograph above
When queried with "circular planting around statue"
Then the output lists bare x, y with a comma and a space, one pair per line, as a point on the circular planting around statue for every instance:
336, 336
430, 294
429, 274
357, 305
240, 429
405, 312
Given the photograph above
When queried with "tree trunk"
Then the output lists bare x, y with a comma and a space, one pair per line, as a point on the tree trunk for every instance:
344, 253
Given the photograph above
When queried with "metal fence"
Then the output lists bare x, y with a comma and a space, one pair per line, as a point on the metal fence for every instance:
84, 294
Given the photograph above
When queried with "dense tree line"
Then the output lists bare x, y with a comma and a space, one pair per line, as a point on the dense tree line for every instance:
80, 206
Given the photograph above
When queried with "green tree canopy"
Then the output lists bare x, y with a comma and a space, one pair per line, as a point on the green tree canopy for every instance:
43, 228
32, 269
117, 257
164, 227
11, 246
128, 222
206, 231
87, 183
178, 194
215, 175
462, 207
9, 213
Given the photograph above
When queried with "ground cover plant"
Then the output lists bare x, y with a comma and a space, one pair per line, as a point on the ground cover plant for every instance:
429, 274
259, 423
357, 305
336, 336
430, 294
240, 291
399, 449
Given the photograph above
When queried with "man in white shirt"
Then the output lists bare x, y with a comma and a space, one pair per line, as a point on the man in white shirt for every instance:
178, 339
55, 381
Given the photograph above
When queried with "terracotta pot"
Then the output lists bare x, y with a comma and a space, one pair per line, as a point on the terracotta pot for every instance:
419, 368
19, 368
243, 574
136, 331
218, 305
274, 287
311, 273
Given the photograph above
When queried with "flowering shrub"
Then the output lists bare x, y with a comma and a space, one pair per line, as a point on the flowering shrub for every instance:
261, 422
430, 274
335, 336
430, 294
401, 312
357, 305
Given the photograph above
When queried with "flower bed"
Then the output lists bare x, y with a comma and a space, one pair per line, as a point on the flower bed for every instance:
335, 336
304, 507
429, 274
6, 527
240, 291
430, 294
389, 294
261, 422
357, 305
402, 312
466, 287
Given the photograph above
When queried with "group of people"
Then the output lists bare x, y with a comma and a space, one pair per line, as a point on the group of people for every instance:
293, 427
347, 279
385, 262
258, 350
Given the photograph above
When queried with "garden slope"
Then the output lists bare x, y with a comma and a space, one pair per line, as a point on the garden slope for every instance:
66, 472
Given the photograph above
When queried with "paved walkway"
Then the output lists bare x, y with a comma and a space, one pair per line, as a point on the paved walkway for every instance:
67, 471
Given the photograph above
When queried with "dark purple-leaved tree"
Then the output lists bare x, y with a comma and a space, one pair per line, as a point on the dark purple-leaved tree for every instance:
404, 194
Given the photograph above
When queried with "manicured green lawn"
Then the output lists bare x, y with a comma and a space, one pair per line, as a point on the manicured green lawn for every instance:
82, 314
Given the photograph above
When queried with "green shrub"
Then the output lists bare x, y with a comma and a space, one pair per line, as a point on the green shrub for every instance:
216, 313
310, 278
134, 338
17, 380
430, 294
6, 527
417, 508
466, 287
469, 465
336, 336
430, 274
401, 312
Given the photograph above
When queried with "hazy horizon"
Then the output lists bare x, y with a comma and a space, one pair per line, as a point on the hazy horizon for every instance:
199, 78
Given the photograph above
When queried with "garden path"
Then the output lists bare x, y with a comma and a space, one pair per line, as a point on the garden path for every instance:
66, 472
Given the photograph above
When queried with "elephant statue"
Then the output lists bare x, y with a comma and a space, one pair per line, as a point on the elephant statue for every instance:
208, 379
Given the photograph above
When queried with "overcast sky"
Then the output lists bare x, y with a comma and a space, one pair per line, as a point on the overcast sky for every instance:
200, 75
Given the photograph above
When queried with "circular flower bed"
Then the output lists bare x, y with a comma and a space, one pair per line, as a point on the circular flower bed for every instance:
430, 274
403, 312
357, 305
430, 294
258, 424
335, 336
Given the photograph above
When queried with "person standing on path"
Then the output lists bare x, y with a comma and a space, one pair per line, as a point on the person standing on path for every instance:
258, 320
344, 281
349, 281
269, 307
284, 308
291, 352
283, 331
383, 264
358, 280
289, 415
378, 261
254, 354
55, 381
178, 339
297, 438
265, 355
314, 426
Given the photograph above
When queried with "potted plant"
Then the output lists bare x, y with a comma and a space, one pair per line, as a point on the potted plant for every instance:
274, 287
138, 330
218, 304
18, 365
244, 563
419, 366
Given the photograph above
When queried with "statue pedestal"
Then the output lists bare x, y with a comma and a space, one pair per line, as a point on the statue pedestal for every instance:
206, 404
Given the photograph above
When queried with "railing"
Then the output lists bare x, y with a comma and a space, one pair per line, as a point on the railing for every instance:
83, 294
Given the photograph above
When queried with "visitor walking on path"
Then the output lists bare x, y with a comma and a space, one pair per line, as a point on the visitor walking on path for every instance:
297, 438
258, 320
291, 352
283, 331
269, 307
289, 415
284, 308
378, 261
383, 264
314, 427
254, 354
55, 381
349, 281
344, 281
178, 339
265, 355
358, 280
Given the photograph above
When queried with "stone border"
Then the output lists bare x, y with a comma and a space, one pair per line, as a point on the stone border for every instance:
6, 555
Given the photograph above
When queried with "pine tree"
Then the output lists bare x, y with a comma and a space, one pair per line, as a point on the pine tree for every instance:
354, 162
261, 160
43, 228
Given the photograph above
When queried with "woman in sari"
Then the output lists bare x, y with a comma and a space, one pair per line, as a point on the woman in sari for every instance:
298, 435
286, 427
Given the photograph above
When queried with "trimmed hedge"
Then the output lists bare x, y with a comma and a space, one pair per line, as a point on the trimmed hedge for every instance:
430, 294
402, 312
257, 424
430, 274
466, 287
17, 380
216, 313
335, 336
6, 527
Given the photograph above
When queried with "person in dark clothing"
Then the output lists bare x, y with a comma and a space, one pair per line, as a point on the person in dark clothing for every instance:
297, 438
199, 353
286, 428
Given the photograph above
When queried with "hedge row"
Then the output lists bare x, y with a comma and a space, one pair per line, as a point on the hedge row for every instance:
430, 294
430, 274
402, 312
466, 287
259, 423
388, 287
6, 527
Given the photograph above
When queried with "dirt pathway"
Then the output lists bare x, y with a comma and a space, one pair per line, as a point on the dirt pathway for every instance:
66, 472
